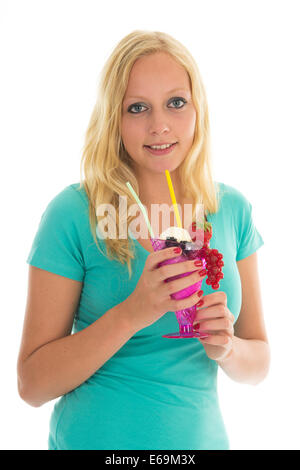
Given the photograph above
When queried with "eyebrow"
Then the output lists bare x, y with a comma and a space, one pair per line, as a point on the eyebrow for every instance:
168, 92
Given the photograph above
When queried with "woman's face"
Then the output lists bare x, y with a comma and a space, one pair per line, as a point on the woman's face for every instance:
157, 108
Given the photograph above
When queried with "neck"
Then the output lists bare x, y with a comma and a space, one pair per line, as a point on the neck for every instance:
155, 190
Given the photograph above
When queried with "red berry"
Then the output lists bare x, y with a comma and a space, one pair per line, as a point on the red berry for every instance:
215, 270
204, 253
213, 259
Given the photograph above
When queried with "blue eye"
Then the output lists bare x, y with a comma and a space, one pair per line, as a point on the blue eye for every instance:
179, 99
135, 106
139, 105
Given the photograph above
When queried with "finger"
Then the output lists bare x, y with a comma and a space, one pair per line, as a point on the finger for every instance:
217, 340
216, 324
187, 302
215, 298
175, 287
214, 311
177, 267
154, 259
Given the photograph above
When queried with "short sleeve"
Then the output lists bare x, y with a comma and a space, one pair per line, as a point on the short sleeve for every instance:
249, 239
57, 245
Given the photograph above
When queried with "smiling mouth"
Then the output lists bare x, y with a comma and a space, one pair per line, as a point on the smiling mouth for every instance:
149, 146
160, 151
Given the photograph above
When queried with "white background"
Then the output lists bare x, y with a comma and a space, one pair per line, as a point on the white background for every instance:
52, 53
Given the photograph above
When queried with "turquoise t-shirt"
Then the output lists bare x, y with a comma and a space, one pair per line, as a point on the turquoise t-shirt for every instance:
154, 393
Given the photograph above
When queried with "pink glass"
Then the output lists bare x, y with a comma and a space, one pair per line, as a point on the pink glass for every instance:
186, 316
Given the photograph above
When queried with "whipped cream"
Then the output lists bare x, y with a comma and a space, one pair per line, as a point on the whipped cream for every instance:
179, 233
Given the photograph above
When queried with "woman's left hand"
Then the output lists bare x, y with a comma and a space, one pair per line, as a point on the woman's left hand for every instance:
215, 319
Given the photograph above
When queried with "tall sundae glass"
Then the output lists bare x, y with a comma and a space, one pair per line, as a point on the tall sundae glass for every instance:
177, 236
186, 316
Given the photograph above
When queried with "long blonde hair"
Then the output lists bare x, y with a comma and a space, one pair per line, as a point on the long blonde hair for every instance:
107, 165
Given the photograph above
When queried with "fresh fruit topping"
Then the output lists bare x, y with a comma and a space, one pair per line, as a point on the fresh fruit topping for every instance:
214, 259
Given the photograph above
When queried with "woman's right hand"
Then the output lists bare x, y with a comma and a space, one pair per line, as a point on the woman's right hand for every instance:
151, 298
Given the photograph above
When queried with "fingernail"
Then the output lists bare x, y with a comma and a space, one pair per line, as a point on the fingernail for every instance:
204, 336
177, 250
202, 273
200, 293
200, 303
198, 263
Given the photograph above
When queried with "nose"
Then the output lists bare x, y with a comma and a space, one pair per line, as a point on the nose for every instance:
158, 124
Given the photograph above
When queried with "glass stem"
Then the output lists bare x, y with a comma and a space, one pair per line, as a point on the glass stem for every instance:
184, 329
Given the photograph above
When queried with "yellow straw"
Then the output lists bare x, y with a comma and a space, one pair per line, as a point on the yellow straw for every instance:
142, 208
173, 198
